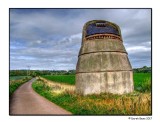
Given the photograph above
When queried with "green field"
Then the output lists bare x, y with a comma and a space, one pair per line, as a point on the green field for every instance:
69, 79
11, 78
142, 81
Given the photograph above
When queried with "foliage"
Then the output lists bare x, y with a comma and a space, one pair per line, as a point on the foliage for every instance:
26, 72
104, 104
40, 72
143, 69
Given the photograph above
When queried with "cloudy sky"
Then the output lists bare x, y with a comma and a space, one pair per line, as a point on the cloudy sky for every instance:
50, 39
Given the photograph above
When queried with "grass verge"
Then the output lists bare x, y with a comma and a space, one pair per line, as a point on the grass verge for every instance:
104, 104
14, 84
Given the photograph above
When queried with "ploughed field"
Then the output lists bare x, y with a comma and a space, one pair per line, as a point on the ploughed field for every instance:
60, 89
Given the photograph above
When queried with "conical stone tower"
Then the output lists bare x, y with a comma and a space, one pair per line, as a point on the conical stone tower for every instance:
103, 65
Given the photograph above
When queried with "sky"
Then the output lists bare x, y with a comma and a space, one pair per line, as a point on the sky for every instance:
50, 39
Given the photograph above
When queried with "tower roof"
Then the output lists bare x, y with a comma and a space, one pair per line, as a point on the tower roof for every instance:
100, 27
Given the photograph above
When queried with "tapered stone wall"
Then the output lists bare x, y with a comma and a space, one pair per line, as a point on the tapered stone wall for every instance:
103, 65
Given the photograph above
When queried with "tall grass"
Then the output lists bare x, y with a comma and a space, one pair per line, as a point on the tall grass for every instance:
104, 104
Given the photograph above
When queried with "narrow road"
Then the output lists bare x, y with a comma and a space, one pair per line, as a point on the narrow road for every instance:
25, 101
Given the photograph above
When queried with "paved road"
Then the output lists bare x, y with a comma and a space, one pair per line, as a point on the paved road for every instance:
25, 101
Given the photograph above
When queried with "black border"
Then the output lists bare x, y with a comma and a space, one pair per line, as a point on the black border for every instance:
84, 115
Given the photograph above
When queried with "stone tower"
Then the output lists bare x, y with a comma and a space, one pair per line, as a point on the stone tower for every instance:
103, 65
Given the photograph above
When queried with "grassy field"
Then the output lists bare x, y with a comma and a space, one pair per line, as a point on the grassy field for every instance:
16, 81
69, 79
142, 81
136, 103
12, 78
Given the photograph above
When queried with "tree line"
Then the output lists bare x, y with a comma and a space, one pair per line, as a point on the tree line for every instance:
40, 72
143, 69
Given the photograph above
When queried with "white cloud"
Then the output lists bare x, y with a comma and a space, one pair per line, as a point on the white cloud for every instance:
51, 38
136, 49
